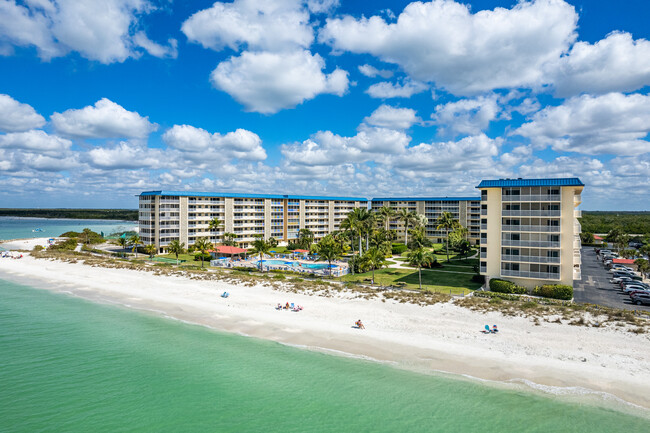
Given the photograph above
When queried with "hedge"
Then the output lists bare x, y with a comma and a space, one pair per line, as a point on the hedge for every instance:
206, 257
554, 291
503, 286
399, 249
478, 279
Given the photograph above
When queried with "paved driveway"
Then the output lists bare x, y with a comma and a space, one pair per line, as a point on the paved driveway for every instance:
595, 288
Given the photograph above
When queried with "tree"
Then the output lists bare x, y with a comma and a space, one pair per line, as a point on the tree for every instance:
386, 214
587, 238
642, 266
305, 238
419, 258
273, 242
617, 237
230, 239
123, 241
418, 238
375, 259
85, 236
214, 225
135, 241
457, 236
381, 239
150, 249
176, 247
447, 222
407, 217
261, 247
202, 245
328, 249
358, 222
464, 248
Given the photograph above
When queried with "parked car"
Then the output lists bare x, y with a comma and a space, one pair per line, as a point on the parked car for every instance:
641, 298
636, 292
630, 288
619, 280
621, 269
633, 283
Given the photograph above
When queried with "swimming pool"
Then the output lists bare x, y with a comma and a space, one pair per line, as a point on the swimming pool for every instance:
314, 266
277, 262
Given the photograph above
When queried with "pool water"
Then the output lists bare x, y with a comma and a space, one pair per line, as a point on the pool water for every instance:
295, 264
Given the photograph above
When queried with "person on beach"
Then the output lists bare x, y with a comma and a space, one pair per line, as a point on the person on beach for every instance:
359, 324
494, 329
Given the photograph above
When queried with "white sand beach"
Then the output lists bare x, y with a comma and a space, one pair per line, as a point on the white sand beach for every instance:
441, 337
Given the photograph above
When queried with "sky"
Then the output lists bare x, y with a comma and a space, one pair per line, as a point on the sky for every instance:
101, 100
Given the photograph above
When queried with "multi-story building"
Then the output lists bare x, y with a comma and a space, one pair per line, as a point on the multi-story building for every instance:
530, 232
185, 216
464, 209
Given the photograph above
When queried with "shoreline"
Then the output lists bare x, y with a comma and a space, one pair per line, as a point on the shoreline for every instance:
438, 339
65, 219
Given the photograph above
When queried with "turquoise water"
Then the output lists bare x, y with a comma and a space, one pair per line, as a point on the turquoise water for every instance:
20, 228
67, 365
295, 264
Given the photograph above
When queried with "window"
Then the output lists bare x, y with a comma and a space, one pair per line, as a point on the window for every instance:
554, 238
552, 253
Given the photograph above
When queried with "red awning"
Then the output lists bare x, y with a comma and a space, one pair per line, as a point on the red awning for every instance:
623, 261
598, 238
300, 251
222, 249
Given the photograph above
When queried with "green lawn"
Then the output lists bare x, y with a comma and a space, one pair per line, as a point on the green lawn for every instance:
432, 279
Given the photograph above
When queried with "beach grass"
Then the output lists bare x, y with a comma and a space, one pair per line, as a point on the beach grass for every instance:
432, 279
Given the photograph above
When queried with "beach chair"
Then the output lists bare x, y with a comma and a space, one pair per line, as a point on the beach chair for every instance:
487, 330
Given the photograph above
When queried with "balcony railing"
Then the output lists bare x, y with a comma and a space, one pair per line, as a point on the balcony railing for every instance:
577, 213
535, 197
540, 213
483, 212
535, 244
530, 274
484, 255
538, 228
529, 259
483, 226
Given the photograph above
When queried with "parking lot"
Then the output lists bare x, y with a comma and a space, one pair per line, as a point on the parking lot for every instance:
595, 288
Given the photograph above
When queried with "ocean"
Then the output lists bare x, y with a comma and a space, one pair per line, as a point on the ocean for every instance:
21, 228
69, 365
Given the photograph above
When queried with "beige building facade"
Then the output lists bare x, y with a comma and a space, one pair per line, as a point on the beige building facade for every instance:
466, 210
185, 216
530, 233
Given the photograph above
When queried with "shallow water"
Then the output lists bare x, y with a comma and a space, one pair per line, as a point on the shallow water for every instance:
70, 365
21, 228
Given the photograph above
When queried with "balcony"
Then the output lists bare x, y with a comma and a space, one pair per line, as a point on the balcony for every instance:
483, 226
577, 274
484, 255
577, 199
169, 201
546, 229
169, 218
577, 213
530, 274
534, 244
534, 213
541, 197
484, 212
529, 259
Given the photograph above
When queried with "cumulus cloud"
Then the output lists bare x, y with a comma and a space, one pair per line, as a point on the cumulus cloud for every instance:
100, 30
444, 43
617, 63
608, 124
105, 119
466, 116
392, 118
16, 116
241, 144
372, 72
268, 82
140, 39
386, 89
322, 6
36, 141
126, 155
253, 24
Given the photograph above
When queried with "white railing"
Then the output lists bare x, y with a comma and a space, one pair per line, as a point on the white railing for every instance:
577, 275
538, 228
577, 213
550, 213
529, 259
536, 244
577, 198
169, 201
530, 274
535, 197
169, 218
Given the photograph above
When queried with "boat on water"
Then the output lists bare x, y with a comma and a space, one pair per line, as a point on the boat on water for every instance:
37, 230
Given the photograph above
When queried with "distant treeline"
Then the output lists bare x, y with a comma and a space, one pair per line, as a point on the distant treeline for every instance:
83, 214
603, 222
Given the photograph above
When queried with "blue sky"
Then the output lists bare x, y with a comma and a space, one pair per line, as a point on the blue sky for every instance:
102, 100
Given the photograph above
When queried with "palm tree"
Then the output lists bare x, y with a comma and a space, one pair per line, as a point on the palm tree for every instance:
305, 238
407, 217
447, 222
214, 225
381, 239
261, 247
419, 257
176, 247
230, 239
386, 213
202, 245
362, 220
328, 249
135, 241
150, 249
374, 258
348, 225
123, 242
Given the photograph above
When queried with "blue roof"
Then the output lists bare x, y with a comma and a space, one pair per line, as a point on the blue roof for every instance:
567, 181
427, 199
236, 195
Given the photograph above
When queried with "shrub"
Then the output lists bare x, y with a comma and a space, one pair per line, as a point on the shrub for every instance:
38, 247
503, 286
67, 245
398, 249
246, 269
478, 279
206, 257
554, 291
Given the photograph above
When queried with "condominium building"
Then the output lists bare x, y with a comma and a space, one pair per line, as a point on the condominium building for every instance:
530, 233
466, 210
185, 216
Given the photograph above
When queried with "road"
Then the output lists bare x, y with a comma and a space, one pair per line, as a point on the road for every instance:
595, 288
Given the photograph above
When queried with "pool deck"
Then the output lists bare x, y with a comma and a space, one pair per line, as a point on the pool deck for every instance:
340, 268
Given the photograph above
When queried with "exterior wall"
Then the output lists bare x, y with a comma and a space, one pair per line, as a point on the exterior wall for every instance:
187, 218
